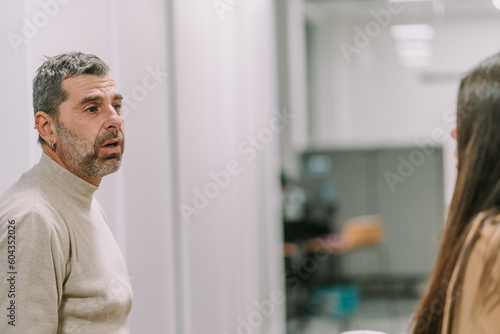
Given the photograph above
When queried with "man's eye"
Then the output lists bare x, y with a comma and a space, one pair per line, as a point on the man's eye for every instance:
118, 107
91, 110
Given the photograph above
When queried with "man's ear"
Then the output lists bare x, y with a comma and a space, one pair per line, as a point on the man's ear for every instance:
46, 126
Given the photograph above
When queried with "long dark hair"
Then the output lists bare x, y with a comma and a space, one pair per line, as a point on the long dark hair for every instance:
477, 186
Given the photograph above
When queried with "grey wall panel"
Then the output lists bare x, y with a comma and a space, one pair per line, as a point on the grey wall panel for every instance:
350, 179
405, 186
412, 208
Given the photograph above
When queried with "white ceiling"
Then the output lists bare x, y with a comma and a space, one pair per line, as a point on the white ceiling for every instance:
424, 10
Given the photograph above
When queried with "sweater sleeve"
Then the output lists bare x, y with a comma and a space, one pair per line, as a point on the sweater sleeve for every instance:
34, 253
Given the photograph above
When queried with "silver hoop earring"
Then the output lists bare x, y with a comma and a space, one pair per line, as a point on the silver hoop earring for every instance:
51, 144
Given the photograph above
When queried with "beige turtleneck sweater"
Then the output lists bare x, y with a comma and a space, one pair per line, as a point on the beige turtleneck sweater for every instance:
61, 270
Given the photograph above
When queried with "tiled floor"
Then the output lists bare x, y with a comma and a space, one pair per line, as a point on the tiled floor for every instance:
389, 316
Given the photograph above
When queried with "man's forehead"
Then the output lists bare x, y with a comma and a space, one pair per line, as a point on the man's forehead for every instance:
84, 84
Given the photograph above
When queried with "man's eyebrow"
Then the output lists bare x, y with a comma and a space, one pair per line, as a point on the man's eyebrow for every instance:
93, 98
90, 98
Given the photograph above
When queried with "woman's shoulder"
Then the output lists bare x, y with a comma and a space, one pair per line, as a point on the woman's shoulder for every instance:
489, 239
491, 228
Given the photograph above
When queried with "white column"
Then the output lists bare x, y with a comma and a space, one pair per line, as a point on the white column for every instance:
226, 93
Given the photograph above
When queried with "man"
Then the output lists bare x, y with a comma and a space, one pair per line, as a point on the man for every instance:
62, 270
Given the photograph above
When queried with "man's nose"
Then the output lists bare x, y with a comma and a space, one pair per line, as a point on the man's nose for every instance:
113, 118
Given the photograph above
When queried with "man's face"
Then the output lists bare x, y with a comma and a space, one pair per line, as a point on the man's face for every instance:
89, 126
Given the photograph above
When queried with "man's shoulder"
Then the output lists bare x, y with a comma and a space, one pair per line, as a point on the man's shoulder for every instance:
27, 196
21, 195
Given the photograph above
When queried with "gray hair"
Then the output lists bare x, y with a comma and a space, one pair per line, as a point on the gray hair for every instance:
48, 92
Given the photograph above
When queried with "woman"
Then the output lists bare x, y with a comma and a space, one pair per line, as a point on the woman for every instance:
463, 295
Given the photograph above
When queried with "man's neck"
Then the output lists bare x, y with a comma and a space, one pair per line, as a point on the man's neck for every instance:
54, 156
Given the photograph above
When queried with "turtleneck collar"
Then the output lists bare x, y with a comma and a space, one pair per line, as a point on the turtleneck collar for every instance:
69, 184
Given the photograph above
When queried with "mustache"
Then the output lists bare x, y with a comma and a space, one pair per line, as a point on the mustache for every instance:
112, 134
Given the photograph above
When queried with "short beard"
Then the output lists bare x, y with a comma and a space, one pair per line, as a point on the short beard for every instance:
83, 156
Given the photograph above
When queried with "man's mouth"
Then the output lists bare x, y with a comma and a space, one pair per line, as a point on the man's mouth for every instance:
112, 146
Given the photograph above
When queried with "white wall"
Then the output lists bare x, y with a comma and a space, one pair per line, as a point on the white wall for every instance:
15, 94
196, 277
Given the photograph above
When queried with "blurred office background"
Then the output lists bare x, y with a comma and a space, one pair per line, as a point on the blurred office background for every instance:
288, 162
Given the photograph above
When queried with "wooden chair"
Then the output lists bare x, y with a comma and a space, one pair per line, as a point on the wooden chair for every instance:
358, 232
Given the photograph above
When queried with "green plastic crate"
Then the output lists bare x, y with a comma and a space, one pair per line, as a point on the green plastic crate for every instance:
336, 300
